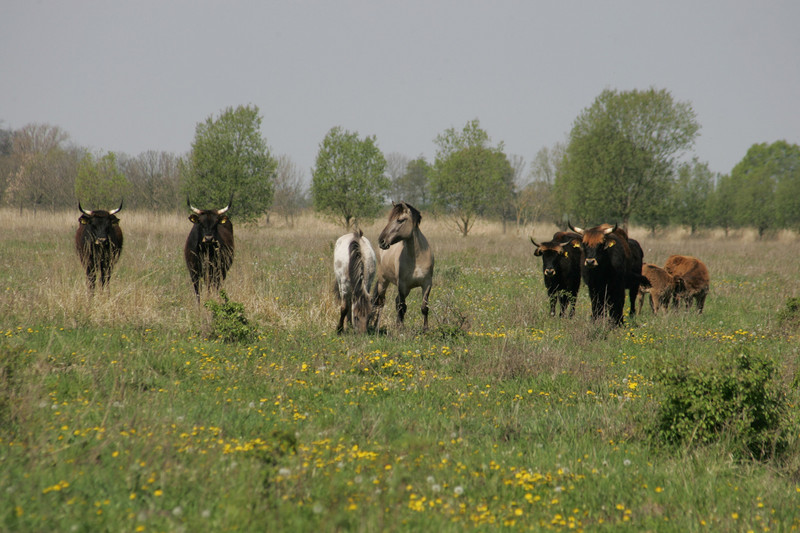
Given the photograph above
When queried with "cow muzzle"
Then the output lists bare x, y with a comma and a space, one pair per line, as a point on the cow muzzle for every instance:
209, 238
590, 263
100, 240
549, 272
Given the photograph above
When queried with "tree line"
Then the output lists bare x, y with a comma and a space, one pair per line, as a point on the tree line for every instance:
628, 158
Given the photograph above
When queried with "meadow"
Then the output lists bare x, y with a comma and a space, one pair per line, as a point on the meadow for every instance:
124, 412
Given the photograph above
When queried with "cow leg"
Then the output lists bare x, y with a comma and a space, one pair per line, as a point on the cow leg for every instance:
572, 299
632, 293
563, 300
426, 291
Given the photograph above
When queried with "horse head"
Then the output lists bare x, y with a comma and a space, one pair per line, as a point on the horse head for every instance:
403, 220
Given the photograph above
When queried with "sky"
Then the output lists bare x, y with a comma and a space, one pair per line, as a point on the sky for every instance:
136, 76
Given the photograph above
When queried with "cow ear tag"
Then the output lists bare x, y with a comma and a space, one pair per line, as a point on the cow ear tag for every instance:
223, 220
576, 245
611, 244
193, 218
83, 220
566, 254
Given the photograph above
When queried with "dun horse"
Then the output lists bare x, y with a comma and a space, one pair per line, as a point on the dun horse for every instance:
354, 265
406, 260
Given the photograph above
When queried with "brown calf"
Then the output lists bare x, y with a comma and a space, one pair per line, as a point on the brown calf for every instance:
662, 287
693, 280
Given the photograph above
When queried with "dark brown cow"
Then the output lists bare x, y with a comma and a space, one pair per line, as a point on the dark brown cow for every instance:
209, 247
662, 287
99, 243
693, 280
561, 266
611, 264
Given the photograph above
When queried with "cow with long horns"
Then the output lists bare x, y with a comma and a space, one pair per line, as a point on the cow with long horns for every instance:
209, 247
98, 242
561, 266
611, 264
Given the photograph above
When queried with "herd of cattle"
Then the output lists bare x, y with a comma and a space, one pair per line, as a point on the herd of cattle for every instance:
604, 258
609, 263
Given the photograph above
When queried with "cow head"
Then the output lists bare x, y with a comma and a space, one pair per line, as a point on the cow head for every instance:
98, 225
403, 219
595, 242
551, 252
208, 220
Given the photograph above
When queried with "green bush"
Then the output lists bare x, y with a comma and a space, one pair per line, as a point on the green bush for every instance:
228, 321
735, 398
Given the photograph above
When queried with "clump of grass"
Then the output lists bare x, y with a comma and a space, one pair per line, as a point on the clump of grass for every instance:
789, 316
228, 321
736, 398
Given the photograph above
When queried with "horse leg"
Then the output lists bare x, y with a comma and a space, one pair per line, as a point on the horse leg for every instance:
343, 312
378, 299
426, 291
400, 305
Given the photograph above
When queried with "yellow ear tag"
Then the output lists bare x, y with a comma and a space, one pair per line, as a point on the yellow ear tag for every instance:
611, 244
566, 254
576, 245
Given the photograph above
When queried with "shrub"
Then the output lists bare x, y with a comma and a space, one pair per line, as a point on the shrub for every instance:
789, 316
735, 397
228, 321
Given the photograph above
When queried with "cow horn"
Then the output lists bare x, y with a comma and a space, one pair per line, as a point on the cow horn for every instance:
608, 231
534, 242
117, 210
85, 212
193, 208
577, 230
224, 209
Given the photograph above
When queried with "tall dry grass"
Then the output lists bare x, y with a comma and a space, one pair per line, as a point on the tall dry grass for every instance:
283, 275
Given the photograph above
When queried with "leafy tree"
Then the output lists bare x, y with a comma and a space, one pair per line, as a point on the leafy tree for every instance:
767, 180
470, 177
471, 182
621, 154
721, 203
348, 182
691, 194
230, 158
412, 185
100, 183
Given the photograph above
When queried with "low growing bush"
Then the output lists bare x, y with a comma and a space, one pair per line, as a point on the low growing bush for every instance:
736, 397
228, 321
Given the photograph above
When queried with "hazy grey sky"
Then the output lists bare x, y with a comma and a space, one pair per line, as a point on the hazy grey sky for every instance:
139, 75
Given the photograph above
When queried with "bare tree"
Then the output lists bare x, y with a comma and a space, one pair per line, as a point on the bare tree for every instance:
396, 165
155, 180
43, 168
290, 194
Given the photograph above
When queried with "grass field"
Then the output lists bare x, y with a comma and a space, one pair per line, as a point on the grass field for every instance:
119, 413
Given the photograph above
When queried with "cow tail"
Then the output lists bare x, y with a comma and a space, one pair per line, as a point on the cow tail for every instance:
361, 304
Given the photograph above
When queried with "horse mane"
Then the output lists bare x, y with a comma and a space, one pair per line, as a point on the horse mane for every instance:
361, 302
399, 207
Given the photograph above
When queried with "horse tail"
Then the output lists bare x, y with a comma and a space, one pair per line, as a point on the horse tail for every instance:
361, 303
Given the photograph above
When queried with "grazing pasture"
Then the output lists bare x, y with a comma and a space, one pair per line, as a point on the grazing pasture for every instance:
117, 412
